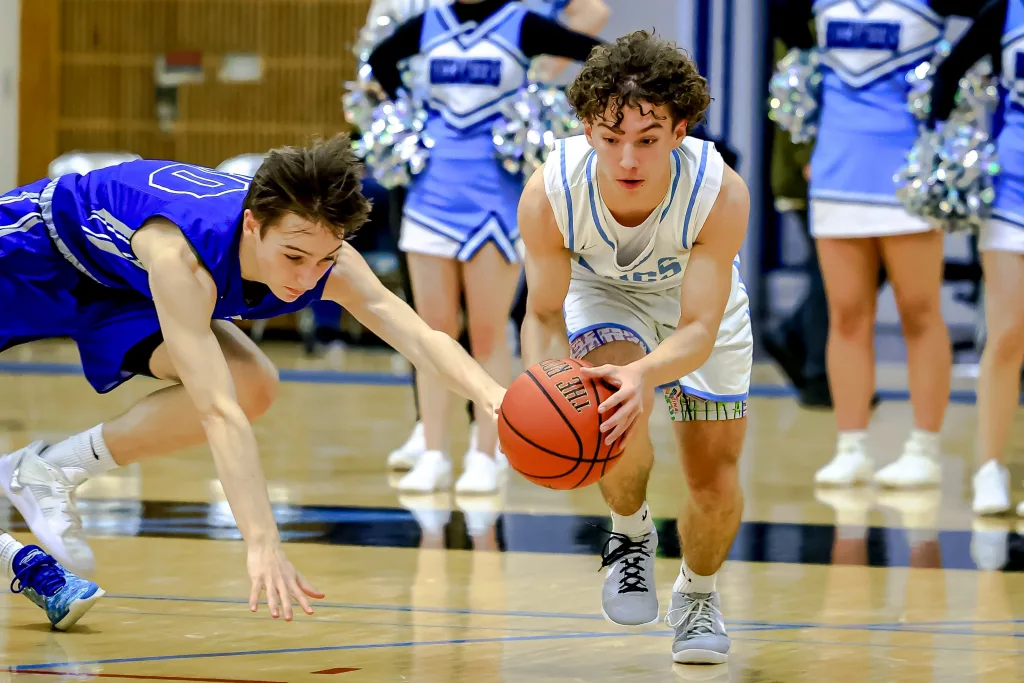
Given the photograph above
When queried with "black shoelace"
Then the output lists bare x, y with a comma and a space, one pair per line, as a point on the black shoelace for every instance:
41, 574
632, 554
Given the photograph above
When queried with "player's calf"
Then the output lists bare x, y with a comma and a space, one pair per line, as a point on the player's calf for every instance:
711, 441
63, 596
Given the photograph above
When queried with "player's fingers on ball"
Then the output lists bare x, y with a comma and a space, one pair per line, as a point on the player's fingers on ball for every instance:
612, 401
611, 424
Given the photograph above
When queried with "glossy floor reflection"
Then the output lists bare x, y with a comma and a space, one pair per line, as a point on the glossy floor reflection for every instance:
847, 586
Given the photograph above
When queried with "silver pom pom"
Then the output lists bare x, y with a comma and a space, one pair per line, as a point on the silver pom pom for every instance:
795, 91
976, 97
394, 145
370, 35
362, 96
948, 177
531, 121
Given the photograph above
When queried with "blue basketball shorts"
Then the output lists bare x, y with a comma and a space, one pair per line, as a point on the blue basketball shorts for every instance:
42, 296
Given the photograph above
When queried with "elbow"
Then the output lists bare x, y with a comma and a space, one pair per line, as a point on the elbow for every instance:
218, 413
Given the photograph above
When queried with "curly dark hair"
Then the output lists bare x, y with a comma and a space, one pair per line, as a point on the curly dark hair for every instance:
639, 68
321, 183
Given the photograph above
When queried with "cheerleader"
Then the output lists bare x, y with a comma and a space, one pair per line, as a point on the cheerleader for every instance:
998, 32
459, 229
864, 134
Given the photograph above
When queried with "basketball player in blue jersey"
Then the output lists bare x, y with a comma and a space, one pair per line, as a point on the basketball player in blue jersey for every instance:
143, 265
632, 233
998, 32
865, 132
459, 227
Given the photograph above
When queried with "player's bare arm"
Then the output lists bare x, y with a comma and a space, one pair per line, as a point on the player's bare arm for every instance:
357, 289
547, 276
184, 295
707, 283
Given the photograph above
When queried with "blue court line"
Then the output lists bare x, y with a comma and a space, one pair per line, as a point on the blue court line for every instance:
890, 646
262, 616
304, 376
475, 641
326, 648
381, 608
942, 628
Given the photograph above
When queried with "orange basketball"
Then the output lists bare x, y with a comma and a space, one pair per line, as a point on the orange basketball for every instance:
549, 427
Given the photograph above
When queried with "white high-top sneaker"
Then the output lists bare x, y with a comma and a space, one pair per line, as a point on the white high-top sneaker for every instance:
991, 489
432, 472
850, 465
406, 456
499, 457
45, 497
479, 473
918, 466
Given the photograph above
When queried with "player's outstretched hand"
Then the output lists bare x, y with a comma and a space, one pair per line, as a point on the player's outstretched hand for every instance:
270, 570
628, 402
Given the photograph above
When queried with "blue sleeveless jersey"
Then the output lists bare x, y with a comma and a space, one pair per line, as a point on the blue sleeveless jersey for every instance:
67, 268
865, 130
91, 219
471, 70
550, 9
464, 196
1009, 184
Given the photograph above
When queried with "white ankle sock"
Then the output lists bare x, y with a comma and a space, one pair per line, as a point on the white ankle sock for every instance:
8, 549
851, 440
637, 524
927, 442
85, 454
688, 582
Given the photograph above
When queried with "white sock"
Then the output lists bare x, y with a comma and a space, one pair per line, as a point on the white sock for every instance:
83, 455
927, 442
852, 440
688, 582
8, 549
638, 524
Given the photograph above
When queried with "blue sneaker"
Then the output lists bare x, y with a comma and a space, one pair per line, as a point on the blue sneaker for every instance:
65, 597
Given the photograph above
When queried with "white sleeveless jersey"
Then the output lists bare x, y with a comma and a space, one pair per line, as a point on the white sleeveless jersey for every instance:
602, 249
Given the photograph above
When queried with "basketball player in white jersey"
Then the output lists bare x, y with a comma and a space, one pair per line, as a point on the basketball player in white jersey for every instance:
634, 229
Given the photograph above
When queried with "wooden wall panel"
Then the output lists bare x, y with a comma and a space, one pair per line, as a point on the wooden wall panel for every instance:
106, 95
38, 88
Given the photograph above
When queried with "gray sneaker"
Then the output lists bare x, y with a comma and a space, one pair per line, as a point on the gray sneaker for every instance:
629, 597
700, 631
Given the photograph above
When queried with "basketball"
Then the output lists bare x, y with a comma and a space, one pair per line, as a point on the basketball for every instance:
549, 427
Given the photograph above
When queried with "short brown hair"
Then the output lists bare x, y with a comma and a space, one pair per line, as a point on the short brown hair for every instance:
321, 183
640, 68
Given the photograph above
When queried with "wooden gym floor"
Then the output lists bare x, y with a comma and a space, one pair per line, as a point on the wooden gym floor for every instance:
841, 586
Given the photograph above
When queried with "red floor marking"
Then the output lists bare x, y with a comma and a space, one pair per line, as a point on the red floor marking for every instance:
141, 678
341, 670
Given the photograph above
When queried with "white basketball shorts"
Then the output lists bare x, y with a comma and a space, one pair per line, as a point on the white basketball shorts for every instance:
598, 312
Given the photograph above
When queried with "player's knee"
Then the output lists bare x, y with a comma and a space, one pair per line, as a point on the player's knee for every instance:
713, 476
258, 382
